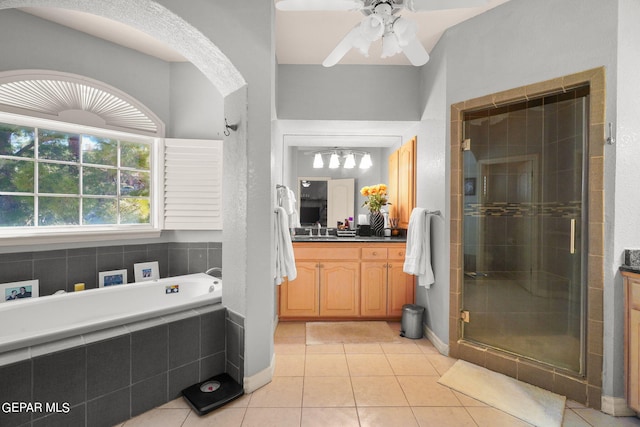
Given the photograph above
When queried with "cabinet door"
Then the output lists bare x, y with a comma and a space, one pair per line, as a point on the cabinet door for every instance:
401, 289
406, 182
299, 297
339, 289
633, 397
392, 185
373, 288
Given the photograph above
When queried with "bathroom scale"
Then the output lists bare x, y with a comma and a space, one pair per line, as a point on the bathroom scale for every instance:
213, 393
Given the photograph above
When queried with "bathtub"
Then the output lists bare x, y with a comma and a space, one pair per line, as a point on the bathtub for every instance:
46, 319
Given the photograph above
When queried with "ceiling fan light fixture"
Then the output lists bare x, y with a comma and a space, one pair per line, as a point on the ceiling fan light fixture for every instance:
334, 161
405, 30
317, 161
390, 45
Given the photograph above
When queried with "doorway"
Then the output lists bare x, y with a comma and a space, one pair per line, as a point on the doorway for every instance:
524, 198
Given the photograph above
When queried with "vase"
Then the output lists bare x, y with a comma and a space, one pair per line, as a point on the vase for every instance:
376, 222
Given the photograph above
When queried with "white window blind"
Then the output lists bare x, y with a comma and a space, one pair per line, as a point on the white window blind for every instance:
192, 184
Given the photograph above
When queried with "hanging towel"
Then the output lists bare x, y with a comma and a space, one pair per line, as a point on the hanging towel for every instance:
417, 260
287, 200
285, 261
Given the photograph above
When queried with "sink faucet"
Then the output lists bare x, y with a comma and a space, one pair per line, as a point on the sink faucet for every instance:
319, 228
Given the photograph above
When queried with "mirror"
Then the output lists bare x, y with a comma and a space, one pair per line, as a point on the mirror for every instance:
312, 201
333, 194
326, 201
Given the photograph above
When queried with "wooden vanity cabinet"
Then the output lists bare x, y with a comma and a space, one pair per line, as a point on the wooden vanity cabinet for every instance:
347, 280
632, 339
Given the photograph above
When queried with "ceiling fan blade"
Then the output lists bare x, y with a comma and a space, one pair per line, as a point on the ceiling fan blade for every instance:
415, 52
423, 5
361, 36
343, 47
314, 5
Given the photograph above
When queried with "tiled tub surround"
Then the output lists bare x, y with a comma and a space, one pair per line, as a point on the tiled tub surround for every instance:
108, 376
55, 317
60, 269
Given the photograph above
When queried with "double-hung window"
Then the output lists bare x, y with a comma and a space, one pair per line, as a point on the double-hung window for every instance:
55, 176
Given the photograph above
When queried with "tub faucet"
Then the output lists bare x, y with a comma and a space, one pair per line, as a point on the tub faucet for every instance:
213, 270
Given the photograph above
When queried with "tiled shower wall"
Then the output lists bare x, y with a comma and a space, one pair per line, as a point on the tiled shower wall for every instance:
61, 269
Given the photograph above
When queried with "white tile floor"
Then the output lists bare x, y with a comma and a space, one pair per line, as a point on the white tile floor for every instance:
378, 384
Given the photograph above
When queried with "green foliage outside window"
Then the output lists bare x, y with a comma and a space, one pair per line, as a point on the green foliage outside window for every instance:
55, 178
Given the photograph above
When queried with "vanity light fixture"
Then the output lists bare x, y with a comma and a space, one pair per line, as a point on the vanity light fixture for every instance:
317, 161
348, 154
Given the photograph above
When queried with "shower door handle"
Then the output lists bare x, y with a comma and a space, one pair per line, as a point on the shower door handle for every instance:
572, 239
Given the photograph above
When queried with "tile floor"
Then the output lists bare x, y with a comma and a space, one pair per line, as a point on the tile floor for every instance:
381, 384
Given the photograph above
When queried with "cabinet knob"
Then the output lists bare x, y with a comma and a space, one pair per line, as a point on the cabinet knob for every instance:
375, 253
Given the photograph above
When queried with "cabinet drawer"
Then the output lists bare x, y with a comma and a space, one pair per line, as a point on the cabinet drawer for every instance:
397, 253
374, 253
332, 253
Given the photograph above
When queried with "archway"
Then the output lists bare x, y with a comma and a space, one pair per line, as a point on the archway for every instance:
159, 22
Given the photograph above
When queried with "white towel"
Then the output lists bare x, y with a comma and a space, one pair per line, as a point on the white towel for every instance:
285, 261
287, 200
417, 260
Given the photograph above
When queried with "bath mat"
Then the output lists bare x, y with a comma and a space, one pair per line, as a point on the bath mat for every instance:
524, 401
349, 332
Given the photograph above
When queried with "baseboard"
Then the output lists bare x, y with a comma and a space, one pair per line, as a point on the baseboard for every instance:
442, 347
616, 406
260, 379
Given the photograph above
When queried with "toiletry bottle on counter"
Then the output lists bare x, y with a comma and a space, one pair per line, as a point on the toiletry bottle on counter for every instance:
346, 224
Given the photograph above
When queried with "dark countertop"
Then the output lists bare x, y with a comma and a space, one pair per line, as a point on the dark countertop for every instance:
630, 268
362, 239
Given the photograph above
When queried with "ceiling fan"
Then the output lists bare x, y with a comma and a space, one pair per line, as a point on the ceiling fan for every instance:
381, 21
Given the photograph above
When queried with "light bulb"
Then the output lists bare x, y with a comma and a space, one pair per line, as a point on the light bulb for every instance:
365, 163
350, 161
317, 161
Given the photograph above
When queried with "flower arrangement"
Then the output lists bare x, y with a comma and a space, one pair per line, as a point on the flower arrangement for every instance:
376, 197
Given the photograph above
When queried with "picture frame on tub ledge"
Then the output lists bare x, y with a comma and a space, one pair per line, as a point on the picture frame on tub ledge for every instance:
13, 291
146, 271
112, 278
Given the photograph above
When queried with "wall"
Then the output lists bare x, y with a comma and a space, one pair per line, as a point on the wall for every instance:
347, 92
509, 47
61, 269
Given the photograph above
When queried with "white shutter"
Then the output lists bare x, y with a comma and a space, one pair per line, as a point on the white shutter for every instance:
192, 184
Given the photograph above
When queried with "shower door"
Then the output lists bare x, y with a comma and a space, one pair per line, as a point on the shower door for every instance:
524, 177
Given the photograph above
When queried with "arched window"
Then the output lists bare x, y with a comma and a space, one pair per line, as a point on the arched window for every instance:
75, 155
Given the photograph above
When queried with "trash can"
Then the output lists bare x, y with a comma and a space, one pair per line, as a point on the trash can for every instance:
411, 326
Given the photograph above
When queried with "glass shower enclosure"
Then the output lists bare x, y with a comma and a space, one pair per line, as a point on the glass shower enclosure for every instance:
524, 181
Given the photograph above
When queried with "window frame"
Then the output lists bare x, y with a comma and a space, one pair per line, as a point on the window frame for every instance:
38, 234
